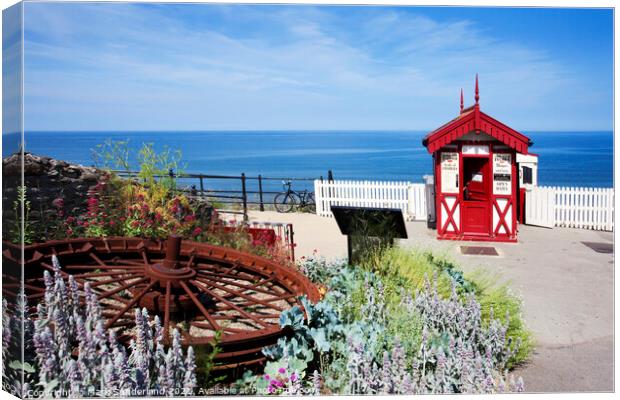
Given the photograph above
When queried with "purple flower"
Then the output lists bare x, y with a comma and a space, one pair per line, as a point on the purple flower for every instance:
267, 377
282, 370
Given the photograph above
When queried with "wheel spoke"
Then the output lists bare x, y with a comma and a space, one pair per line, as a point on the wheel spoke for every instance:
111, 267
102, 274
25, 285
108, 281
145, 258
124, 287
255, 287
202, 309
130, 304
97, 259
129, 262
264, 302
241, 311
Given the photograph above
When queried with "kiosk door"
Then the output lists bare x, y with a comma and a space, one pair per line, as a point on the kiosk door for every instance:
476, 193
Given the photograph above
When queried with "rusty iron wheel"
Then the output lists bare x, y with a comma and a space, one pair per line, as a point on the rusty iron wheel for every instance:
196, 288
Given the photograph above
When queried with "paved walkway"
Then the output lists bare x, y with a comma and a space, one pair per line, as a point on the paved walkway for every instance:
567, 292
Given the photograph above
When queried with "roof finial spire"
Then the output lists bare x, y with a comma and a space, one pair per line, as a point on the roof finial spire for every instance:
477, 92
461, 100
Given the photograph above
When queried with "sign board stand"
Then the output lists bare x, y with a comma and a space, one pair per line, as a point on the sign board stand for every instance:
369, 230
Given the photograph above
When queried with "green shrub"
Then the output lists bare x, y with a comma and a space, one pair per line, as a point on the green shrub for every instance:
408, 268
498, 301
412, 266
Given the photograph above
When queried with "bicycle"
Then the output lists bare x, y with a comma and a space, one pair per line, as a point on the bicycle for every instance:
284, 202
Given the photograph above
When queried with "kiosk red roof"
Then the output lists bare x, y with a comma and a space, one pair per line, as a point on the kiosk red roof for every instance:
472, 119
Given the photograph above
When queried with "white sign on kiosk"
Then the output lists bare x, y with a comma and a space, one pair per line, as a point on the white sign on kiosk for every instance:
502, 173
449, 172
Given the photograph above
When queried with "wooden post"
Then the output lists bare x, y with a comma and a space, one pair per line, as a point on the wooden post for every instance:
245, 197
260, 192
202, 186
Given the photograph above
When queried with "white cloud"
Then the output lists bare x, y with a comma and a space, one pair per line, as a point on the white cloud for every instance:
211, 67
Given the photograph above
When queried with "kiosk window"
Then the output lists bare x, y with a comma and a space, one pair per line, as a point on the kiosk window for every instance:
527, 175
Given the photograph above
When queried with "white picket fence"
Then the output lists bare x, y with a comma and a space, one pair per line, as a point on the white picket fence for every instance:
573, 207
406, 196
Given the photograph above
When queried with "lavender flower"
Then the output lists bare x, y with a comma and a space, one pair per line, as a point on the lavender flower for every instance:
189, 381
102, 367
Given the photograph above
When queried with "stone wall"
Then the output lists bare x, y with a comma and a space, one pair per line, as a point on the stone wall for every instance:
46, 179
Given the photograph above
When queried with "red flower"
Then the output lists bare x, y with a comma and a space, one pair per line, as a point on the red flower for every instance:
85, 224
135, 224
70, 220
69, 232
112, 223
58, 202
197, 231
190, 218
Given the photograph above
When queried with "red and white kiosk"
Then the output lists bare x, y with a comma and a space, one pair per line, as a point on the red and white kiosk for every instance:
476, 178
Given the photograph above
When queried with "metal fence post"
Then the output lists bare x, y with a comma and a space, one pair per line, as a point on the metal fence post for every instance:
245, 197
260, 192
292, 241
202, 186
330, 179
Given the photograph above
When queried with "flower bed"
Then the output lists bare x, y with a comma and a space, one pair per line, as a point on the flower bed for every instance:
372, 336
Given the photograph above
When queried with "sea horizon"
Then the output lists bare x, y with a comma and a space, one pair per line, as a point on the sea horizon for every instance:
387, 155
119, 131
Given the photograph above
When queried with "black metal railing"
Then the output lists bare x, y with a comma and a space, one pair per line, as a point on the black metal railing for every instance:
231, 190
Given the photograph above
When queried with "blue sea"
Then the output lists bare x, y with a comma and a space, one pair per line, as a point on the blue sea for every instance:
565, 158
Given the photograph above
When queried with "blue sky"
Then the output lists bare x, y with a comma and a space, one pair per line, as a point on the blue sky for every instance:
201, 67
